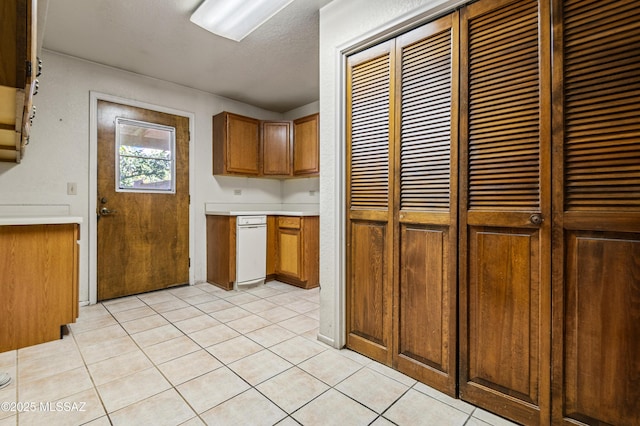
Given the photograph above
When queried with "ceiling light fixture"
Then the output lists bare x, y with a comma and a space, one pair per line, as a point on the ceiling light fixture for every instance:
235, 19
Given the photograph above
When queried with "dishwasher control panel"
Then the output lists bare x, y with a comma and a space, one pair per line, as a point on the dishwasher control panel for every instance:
251, 220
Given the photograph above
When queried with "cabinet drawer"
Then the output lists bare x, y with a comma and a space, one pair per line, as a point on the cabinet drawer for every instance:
289, 222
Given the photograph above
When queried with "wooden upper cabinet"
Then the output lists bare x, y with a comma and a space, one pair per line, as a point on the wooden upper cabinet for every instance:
276, 148
18, 69
306, 147
236, 145
245, 146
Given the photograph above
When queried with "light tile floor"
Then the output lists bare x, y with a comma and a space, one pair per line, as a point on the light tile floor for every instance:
198, 355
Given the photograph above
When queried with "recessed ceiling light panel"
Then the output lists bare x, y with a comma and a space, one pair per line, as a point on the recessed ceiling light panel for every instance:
235, 19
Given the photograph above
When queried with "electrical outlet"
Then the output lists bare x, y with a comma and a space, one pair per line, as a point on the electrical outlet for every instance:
237, 192
72, 188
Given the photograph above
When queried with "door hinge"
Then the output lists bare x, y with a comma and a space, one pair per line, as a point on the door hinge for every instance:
28, 69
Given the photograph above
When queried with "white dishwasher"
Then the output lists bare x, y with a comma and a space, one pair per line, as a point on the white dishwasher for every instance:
251, 251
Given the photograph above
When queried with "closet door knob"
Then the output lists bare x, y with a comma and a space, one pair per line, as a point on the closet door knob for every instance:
536, 219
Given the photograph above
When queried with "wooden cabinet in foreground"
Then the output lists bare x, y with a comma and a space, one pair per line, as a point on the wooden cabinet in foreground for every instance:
297, 251
306, 147
18, 68
38, 283
236, 145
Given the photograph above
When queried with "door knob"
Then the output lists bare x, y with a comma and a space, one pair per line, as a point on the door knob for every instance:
536, 219
106, 212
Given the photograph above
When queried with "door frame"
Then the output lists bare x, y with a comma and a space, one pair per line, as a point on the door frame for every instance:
93, 180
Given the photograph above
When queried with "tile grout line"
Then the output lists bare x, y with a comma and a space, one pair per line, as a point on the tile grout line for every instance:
156, 366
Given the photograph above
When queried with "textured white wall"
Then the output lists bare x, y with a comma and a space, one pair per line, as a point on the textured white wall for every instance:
343, 25
59, 148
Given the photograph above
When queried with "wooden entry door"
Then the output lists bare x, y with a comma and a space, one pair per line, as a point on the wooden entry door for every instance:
143, 230
505, 221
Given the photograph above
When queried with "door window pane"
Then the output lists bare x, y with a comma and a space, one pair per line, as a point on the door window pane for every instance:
145, 154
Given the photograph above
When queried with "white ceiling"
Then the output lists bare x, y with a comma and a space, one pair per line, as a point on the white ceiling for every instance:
275, 67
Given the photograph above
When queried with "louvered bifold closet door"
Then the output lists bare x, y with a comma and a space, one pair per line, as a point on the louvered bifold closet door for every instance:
596, 314
369, 284
505, 210
426, 163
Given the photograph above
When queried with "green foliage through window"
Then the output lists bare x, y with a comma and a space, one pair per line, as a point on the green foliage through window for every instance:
145, 156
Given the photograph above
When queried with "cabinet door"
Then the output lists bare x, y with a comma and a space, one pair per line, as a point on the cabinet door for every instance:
505, 207
306, 148
596, 311
236, 145
276, 148
290, 252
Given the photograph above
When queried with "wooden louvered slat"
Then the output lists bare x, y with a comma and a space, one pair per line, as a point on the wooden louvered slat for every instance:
602, 105
504, 104
370, 134
426, 124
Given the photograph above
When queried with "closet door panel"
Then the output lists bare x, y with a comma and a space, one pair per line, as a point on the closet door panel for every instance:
368, 293
504, 286
505, 229
602, 328
596, 314
369, 283
426, 194
423, 318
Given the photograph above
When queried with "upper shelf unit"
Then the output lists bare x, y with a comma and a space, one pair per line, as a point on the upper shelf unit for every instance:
19, 68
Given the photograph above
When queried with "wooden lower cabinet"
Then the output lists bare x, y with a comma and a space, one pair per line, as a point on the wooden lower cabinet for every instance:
297, 251
292, 250
221, 251
38, 283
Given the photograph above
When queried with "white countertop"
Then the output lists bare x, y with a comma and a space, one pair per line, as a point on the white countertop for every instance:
221, 209
39, 220
260, 212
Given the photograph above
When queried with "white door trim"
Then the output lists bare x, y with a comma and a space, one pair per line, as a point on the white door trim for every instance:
93, 180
